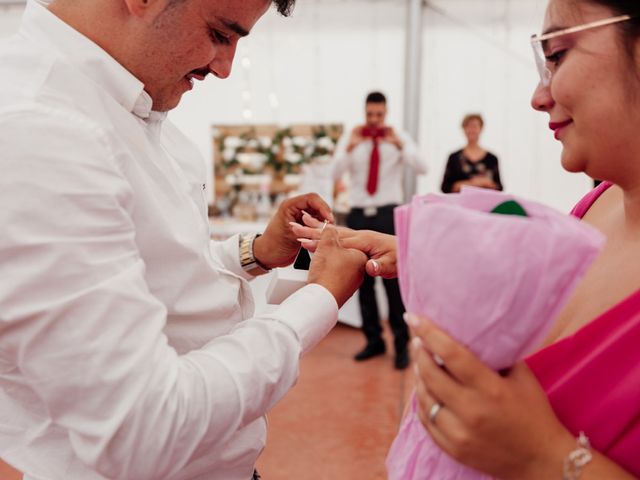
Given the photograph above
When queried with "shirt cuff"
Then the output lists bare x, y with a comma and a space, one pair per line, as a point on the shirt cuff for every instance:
228, 253
311, 312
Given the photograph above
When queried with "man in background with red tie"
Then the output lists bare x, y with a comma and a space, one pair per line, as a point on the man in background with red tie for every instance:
375, 155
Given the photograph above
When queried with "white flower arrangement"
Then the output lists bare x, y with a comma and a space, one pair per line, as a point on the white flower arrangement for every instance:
283, 152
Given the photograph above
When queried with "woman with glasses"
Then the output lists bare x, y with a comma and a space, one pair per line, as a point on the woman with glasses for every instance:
572, 410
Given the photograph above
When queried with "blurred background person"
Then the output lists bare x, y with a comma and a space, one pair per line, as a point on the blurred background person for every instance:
375, 156
473, 165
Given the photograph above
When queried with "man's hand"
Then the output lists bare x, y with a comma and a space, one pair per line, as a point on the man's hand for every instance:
391, 137
380, 248
278, 245
340, 270
355, 139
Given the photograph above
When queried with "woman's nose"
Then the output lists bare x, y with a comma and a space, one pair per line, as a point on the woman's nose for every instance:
542, 100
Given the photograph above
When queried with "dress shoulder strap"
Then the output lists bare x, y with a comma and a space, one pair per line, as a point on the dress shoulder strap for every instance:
583, 206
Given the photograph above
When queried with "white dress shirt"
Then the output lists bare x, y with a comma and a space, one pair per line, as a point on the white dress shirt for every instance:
127, 344
390, 175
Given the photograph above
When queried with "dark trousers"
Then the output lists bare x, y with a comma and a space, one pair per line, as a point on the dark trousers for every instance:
381, 221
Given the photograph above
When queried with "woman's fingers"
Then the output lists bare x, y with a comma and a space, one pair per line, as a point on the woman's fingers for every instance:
460, 363
436, 417
311, 221
383, 266
436, 379
301, 231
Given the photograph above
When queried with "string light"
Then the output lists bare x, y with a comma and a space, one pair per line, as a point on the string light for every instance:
247, 114
245, 62
273, 101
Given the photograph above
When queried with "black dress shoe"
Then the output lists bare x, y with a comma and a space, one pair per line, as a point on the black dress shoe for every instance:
402, 360
371, 350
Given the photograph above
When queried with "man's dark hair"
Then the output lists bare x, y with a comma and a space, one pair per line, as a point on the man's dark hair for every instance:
376, 97
285, 7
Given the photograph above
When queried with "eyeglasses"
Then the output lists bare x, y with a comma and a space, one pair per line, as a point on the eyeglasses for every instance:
538, 49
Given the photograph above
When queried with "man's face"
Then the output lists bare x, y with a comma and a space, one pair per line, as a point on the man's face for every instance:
189, 39
375, 114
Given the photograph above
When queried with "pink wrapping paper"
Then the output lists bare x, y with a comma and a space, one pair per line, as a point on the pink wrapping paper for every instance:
495, 282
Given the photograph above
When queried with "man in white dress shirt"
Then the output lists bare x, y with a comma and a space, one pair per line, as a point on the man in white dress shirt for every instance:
128, 344
376, 155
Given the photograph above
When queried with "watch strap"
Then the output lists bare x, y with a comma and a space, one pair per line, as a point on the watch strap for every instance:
248, 261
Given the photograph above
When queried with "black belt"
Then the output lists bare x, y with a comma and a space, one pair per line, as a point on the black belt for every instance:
371, 211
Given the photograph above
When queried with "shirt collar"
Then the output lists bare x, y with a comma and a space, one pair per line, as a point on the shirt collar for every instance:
42, 26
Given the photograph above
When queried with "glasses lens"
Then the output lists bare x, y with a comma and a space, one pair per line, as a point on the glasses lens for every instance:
541, 64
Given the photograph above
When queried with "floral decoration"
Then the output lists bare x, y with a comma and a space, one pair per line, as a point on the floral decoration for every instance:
282, 153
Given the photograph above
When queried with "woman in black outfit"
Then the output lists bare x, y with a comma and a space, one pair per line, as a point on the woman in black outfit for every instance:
472, 165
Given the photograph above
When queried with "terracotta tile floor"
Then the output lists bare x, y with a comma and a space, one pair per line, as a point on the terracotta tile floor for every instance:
338, 421
8, 473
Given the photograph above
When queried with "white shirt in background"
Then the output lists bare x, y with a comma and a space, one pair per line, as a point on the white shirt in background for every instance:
127, 347
390, 175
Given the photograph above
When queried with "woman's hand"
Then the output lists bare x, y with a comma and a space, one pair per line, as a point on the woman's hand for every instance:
340, 270
380, 248
482, 181
278, 246
500, 425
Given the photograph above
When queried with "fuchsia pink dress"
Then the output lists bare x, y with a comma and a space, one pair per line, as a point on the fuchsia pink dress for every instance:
592, 378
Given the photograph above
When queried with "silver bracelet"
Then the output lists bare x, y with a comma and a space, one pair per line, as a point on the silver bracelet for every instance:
577, 459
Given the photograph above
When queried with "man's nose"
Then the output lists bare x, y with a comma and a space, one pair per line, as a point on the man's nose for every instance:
222, 63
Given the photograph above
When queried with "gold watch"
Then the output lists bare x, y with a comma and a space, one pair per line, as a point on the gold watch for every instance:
248, 261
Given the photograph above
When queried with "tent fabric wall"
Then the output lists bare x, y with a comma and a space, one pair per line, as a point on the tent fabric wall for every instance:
318, 65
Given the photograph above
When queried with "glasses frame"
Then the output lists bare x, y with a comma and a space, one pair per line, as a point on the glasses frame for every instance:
537, 39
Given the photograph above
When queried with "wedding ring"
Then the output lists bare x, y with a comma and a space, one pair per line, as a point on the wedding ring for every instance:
324, 225
433, 412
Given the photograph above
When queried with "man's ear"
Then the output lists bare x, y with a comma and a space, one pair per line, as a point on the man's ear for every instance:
142, 8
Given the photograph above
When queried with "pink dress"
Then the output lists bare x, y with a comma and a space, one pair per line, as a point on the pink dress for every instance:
592, 378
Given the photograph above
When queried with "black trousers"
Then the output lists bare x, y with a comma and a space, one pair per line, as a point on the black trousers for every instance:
380, 221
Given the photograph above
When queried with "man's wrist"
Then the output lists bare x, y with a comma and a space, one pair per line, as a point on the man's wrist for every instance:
248, 259
260, 252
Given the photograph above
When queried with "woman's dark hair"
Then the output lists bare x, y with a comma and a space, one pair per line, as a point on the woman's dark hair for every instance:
631, 28
621, 7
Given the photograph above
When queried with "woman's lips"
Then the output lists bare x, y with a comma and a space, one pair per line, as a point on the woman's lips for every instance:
558, 126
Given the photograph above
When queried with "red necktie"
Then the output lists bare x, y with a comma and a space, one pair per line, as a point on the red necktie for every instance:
374, 162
